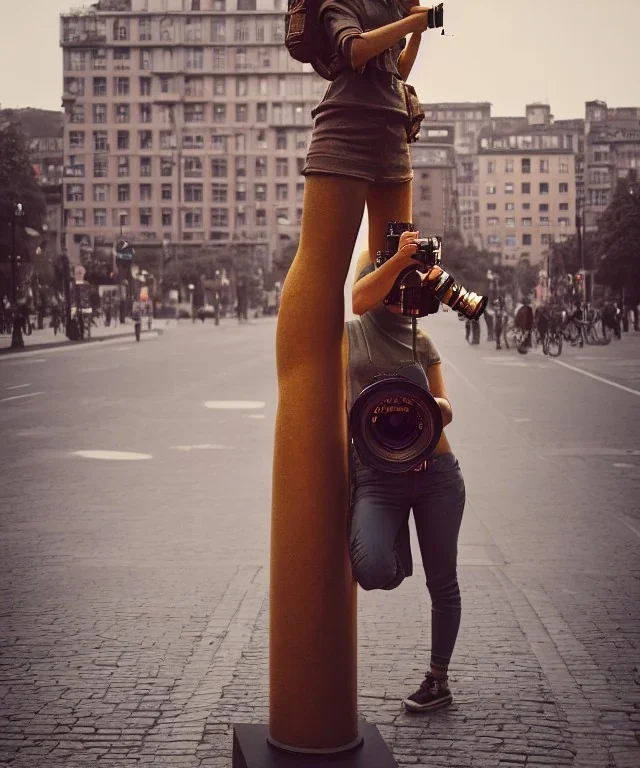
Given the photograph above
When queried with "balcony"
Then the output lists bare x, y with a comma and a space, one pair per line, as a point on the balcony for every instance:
82, 38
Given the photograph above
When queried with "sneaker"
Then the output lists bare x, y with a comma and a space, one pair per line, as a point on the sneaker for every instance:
432, 694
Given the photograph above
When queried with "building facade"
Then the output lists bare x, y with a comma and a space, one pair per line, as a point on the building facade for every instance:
468, 120
435, 195
186, 125
527, 186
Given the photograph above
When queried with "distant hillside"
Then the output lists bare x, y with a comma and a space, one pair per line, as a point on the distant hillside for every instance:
36, 123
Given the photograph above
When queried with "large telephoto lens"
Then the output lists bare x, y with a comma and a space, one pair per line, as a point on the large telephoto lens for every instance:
395, 423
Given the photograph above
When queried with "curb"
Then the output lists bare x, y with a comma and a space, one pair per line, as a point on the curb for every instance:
68, 343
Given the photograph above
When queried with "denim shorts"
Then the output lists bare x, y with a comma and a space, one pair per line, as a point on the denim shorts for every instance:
363, 144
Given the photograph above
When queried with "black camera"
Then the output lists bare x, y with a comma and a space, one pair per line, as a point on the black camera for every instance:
435, 16
395, 423
424, 298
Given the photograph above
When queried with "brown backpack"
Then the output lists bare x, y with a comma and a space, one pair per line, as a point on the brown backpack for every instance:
305, 38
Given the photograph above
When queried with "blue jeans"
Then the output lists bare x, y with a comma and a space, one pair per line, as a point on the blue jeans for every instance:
379, 538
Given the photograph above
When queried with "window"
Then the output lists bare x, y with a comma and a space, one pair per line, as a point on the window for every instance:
526, 206
241, 165
194, 58
193, 30
219, 58
511, 241
100, 193
194, 113
99, 58
99, 217
491, 189
145, 86
563, 222
167, 217
525, 165
219, 143
260, 193
145, 217
122, 140
564, 206
194, 86
564, 167
145, 166
99, 86
145, 139
122, 58
122, 113
219, 113
508, 189
193, 219
193, 168
241, 192
77, 114
543, 207
242, 113
525, 188
218, 31
544, 166
75, 61
75, 193
491, 167
219, 86
282, 166
282, 192
219, 193
100, 143
145, 59
190, 141
195, 5
193, 193
544, 221
145, 113
508, 166
281, 138
241, 58
493, 241
123, 166
491, 206
563, 188
219, 217
144, 29
527, 222
301, 140
509, 206
261, 217
78, 217
124, 193
241, 31
166, 192
75, 85
145, 192
546, 239
425, 192
493, 221
300, 161
526, 239
299, 192
100, 168
246, 5
219, 167
544, 188
166, 83
76, 139
166, 166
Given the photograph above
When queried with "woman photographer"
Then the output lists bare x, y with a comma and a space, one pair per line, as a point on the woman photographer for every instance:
379, 340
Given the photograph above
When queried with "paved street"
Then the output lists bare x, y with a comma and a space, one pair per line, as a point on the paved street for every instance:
133, 593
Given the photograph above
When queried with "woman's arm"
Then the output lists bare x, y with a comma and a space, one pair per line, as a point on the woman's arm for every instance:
369, 291
436, 386
369, 44
408, 56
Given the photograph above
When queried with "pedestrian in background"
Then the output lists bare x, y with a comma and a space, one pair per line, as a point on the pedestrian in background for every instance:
136, 316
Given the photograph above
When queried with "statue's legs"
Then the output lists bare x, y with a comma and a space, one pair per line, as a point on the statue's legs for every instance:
313, 639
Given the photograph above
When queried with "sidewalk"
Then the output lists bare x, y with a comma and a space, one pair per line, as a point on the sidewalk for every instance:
46, 338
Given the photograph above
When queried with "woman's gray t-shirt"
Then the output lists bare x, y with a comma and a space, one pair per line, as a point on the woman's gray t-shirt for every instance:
377, 85
379, 342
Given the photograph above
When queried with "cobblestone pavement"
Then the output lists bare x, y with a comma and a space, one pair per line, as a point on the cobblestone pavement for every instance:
133, 594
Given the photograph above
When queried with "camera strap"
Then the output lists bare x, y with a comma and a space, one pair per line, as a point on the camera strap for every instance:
414, 338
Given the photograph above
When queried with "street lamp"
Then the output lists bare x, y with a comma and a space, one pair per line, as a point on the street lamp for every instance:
17, 342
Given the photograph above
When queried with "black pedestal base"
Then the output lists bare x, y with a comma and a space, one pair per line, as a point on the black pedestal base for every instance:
251, 750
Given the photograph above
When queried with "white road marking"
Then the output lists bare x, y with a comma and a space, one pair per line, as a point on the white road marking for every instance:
20, 397
18, 386
234, 405
521, 421
628, 525
203, 447
92, 344
254, 416
598, 378
624, 466
112, 455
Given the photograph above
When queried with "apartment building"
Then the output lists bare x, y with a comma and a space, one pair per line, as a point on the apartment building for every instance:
612, 149
435, 196
186, 123
527, 186
468, 120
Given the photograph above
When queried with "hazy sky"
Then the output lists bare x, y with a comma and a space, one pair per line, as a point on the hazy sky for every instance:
507, 52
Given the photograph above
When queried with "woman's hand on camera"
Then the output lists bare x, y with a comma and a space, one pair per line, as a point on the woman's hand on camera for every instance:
421, 20
407, 248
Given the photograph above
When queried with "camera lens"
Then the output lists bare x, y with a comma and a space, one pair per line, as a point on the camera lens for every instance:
395, 424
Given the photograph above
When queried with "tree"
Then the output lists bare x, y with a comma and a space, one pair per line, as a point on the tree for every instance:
18, 184
619, 241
